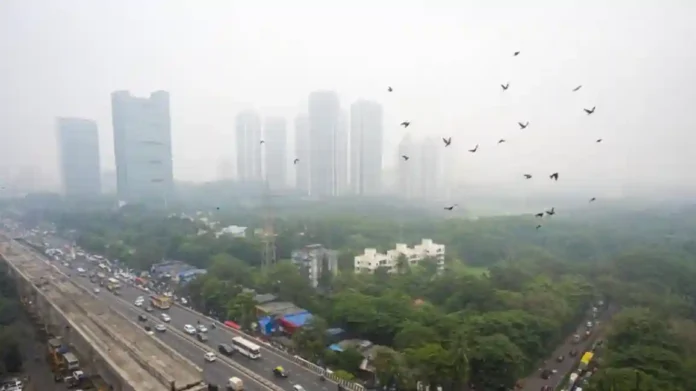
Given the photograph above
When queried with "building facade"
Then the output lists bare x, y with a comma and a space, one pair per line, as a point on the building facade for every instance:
142, 145
78, 147
248, 132
315, 260
302, 152
275, 147
340, 155
323, 124
366, 144
371, 260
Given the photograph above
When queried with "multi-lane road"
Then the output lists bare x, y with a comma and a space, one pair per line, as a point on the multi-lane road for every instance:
217, 372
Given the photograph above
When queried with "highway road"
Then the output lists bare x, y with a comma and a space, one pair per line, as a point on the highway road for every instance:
218, 372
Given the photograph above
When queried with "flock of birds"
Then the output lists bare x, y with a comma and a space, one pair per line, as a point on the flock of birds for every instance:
523, 125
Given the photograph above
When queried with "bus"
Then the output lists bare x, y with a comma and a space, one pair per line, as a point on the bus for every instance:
113, 284
160, 301
246, 348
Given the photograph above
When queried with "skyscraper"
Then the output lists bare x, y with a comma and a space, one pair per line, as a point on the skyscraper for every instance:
406, 168
323, 125
249, 147
78, 141
275, 148
430, 178
142, 145
302, 148
341, 155
366, 137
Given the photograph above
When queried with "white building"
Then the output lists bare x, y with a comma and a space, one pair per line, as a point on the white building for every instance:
314, 260
371, 260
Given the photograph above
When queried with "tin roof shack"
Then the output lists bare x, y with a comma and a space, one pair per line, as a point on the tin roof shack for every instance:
290, 323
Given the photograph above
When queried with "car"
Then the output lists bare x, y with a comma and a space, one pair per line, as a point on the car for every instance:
589, 324
97, 290
189, 329
226, 349
279, 372
161, 328
560, 358
546, 388
148, 330
210, 357
202, 337
298, 387
202, 328
138, 303
546, 374
166, 318
573, 353
149, 309
142, 318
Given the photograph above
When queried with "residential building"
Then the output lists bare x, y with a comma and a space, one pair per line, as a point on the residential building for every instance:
234, 231
314, 261
366, 142
372, 260
323, 124
275, 148
341, 155
78, 141
142, 145
302, 152
248, 130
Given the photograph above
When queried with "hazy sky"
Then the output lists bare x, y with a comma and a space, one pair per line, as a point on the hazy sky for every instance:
445, 59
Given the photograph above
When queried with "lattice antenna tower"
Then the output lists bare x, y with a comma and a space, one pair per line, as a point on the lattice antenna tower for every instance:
268, 235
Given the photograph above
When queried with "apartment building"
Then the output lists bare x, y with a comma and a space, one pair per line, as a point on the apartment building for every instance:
314, 260
372, 260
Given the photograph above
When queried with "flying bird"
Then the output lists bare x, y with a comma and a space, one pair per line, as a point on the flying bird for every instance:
447, 141
523, 126
475, 149
599, 140
505, 86
450, 207
551, 212
295, 161
405, 124
590, 111
404, 157
539, 214
528, 176
593, 199
516, 54
538, 226
577, 88
390, 89
262, 142
554, 176
502, 140
217, 208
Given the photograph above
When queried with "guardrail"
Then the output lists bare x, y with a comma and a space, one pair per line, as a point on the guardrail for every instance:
297, 359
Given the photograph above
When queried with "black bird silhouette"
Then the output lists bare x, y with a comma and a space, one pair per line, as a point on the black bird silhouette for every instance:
450, 207
538, 226
523, 126
475, 149
516, 54
593, 199
389, 89
404, 157
551, 212
577, 88
539, 214
599, 140
590, 111
505, 86
405, 124
528, 176
295, 161
262, 142
447, 141
554, 176
217, 208
502, 140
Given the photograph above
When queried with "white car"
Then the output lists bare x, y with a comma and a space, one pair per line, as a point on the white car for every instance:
189, 329
210, 357
138, 303
166, 318
298, 387
589, 325
202, 328
161, 328
97, 290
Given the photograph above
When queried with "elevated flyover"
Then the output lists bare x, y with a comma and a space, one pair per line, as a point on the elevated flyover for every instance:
106, 342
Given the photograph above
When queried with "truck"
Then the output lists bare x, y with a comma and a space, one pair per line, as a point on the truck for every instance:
235, 384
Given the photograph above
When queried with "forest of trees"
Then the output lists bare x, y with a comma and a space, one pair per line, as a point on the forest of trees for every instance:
464, 326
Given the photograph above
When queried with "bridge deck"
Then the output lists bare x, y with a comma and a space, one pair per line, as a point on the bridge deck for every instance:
140, 359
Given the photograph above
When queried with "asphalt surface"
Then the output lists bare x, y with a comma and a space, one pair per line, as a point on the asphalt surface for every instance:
217, 372
534, 382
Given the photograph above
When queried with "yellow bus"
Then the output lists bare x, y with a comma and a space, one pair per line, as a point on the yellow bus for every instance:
160, 301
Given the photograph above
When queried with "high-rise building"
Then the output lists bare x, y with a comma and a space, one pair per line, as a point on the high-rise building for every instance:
275, 148
142, 145
366, 138
249, 147
430, 178
78, 141
302, 148
341, 155
323, 124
